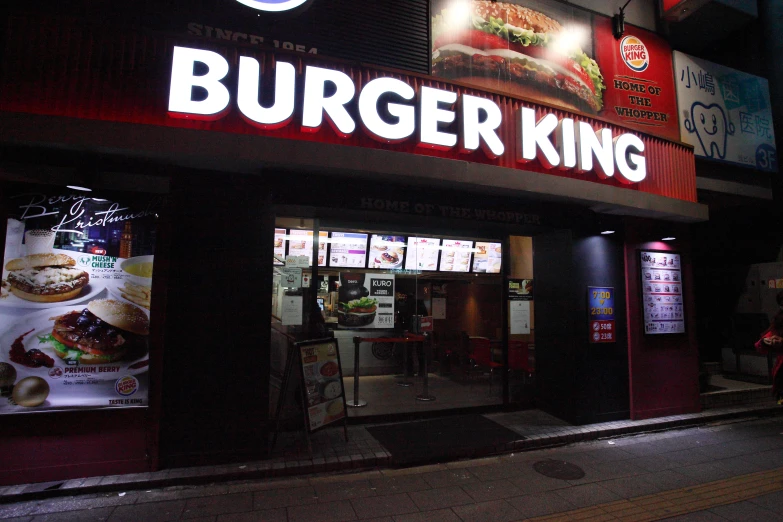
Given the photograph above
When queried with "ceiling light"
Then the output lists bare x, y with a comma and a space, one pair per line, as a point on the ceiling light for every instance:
668, 238
77, 187
607, 232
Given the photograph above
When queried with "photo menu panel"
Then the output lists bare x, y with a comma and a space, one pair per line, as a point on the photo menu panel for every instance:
301, 244
279, 246
662, 293
488, 258
422, 253
455, 256
349, 249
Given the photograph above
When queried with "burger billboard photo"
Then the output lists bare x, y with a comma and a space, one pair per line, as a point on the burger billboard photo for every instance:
537, 49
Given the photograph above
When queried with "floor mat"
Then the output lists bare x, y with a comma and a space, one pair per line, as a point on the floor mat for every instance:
442, 438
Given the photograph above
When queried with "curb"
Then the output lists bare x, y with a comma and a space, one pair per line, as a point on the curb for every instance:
196, 476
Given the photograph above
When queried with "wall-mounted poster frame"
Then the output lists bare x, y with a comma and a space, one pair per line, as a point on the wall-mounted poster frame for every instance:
662, 292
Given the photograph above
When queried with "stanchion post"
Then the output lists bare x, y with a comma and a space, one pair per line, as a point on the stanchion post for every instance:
356, 403
405, 382
426, 346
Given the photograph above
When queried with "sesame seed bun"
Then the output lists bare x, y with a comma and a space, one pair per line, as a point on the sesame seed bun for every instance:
516, 15
39, 261
121, 315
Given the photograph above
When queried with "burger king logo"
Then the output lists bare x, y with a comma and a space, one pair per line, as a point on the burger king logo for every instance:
273, 6
634, 53
126, 386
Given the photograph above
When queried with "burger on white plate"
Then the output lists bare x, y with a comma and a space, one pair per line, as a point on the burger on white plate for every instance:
45, 278
106, 331
518, 50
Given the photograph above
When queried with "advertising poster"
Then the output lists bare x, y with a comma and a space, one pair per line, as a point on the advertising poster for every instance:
301, 244
324, 383
520, 289
348, 250
422, 253
279, 246
637, 71
553, 53
662, 294
601, 318
366, 301
75, 301
487, 258
725, 114
386, 252
455, 255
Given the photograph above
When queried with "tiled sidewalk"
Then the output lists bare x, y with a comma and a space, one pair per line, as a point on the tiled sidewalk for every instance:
332, 454
727, 467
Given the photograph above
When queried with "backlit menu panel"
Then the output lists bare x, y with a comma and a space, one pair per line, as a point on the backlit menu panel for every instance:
455, 255
348, 249
386, 252
301, 244
422, 253
487, 258
662, 293
279, 245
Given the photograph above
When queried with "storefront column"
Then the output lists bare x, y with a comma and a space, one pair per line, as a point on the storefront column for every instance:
663, 369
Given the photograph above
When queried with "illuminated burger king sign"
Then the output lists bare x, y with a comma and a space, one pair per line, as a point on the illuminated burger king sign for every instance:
274, 6
634, 54
556, 143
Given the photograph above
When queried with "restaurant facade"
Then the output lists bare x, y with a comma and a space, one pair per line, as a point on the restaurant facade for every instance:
484, 216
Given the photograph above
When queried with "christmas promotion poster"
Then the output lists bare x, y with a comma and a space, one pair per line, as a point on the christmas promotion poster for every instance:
75, 301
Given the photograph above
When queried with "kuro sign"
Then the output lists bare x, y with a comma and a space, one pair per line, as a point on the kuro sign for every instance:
423, 116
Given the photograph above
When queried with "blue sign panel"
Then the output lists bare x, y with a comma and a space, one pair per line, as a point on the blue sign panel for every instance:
600, 301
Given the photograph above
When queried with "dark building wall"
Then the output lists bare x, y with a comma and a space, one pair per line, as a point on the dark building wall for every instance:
216, 367
664, 369
579, 381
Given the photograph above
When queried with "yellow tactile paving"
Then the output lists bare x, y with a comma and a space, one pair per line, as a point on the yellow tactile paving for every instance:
677, 502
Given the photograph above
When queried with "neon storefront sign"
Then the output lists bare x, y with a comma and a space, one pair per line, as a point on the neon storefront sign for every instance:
555, 142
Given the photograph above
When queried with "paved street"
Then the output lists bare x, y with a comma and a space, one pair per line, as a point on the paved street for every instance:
728, 471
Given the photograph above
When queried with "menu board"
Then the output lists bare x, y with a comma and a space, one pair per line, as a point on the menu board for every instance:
455, 256
323, 381
422, 253
386, 252
279, 246
662, 293
348, 250
75, 301
301, 244
487, 258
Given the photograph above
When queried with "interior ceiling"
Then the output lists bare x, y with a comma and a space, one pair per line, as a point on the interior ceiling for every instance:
709, 24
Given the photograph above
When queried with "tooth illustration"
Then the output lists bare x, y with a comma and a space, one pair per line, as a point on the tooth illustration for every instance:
711, 127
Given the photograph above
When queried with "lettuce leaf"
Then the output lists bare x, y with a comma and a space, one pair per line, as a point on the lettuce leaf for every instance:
498, 27
528, 37
70, 353
364, 302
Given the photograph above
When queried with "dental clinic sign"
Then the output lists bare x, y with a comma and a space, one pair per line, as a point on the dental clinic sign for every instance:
725, 114
391, 111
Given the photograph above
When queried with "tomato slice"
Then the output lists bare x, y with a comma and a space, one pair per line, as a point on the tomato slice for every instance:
489, 42
63, 340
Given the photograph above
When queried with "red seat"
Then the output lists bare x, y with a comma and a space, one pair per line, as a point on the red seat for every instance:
518, 358
481, 355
